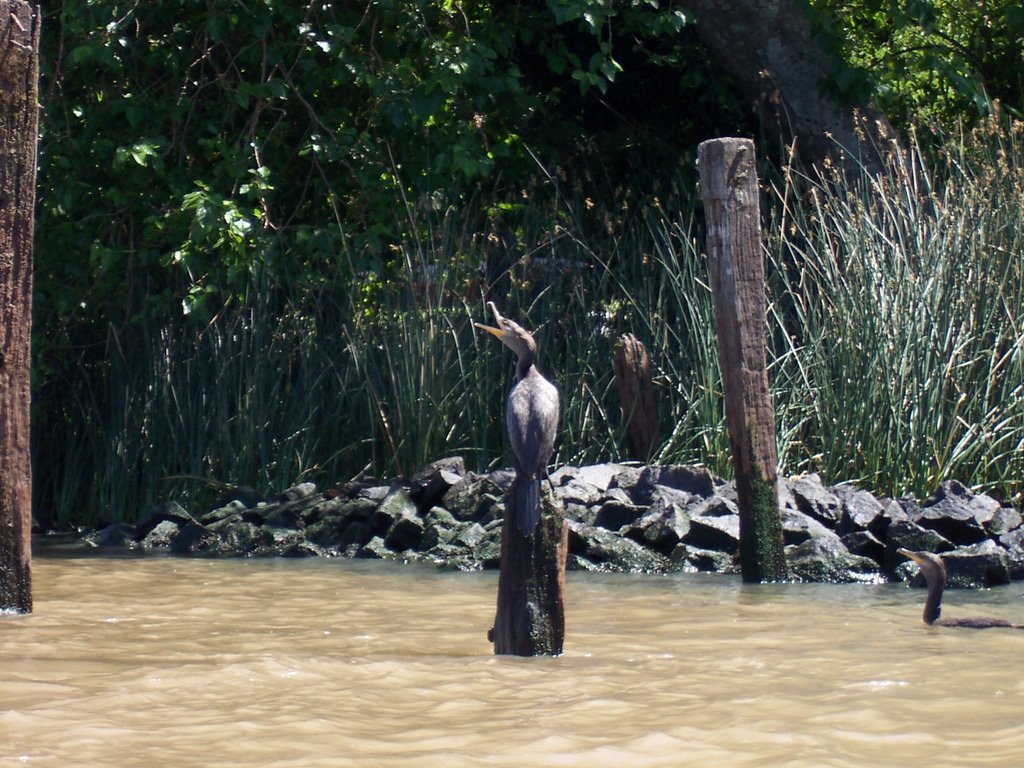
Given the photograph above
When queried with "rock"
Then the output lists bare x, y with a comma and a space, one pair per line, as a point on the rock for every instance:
375, 549
373, 493
1004, 520
241, 537
599, 476
615, 510
860, 512
714, 524
661, 528
865, 544
406, 532
826, 559
296, 492
170, 511
908, 535
439, 527
470, 536
610, 552
957, 514
355, 536
232, 508
627, 479
193, 538
816, 501
575, 490
300, 548
358, 509
686, 558
580, 513
431, 482
1013, 543
798, 527
113, 535
396, 504
476, 498
695, 482
283, 516
979, 565
331, 532
327, 532
160, 535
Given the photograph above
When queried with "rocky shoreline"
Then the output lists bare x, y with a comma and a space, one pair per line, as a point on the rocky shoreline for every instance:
653, 519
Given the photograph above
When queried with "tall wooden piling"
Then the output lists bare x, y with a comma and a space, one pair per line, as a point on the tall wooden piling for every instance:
728, 179
530, 620
19, 119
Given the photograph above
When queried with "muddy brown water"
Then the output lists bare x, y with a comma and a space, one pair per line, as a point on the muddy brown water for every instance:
178, 662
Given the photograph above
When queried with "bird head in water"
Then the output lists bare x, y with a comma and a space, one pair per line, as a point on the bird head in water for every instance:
511, 334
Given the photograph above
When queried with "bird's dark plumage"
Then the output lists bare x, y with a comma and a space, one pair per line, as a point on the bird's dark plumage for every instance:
532, 419
934, 571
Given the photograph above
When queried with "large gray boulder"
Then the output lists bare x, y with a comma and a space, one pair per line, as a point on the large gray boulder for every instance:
811, 497
661, 528
714, 524
957, 514
592, 548
826, 559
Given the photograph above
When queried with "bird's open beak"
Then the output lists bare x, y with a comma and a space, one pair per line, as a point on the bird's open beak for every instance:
912, 555
490, 328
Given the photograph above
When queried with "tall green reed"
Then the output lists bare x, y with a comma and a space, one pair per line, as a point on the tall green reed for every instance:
899, 303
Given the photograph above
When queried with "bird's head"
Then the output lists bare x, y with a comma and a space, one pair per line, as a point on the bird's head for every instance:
511, 334
931, 565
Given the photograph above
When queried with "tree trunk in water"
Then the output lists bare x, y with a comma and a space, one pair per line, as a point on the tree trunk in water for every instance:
728, 179
769, 50
530, 619
19, 119
636, 396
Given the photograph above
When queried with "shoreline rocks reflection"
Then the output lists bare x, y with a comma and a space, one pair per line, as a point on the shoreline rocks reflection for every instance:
622, 518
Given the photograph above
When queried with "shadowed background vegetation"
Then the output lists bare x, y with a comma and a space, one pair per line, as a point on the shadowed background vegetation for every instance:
264, 232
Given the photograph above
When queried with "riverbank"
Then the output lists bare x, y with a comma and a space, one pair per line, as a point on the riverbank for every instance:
621, 518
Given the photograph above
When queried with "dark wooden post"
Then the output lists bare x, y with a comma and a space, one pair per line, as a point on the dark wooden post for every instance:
728, 179
636, 396
19, 120
530, 620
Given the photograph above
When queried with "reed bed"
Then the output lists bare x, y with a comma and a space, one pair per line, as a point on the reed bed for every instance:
896, 324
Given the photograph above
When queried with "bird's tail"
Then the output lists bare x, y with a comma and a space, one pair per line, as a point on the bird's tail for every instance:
527, 503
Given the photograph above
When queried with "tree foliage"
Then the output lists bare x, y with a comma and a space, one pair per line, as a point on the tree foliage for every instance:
927, 61
191, 143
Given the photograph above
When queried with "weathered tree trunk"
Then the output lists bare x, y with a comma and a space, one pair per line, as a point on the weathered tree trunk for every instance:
530, 620
19, 118
728, 179
769, 50
636, 396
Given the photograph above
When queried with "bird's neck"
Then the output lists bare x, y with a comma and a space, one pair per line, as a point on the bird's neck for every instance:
933, 605
525, 366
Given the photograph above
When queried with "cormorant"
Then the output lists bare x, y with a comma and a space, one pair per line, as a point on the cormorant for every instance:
934, 571
532, 417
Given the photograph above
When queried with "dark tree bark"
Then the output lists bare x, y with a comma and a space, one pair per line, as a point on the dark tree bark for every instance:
728, 179
19, 119
636, 396
769, 50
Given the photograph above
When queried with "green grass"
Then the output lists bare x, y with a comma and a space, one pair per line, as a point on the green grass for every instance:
895, 315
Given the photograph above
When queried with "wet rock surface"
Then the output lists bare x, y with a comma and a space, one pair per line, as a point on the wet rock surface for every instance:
621, 519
